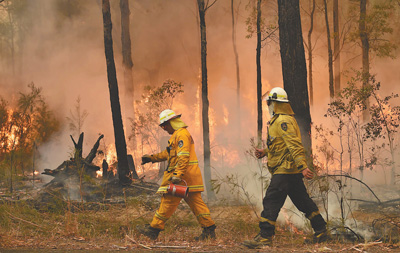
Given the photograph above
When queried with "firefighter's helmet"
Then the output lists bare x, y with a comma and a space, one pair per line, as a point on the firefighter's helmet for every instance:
166, 115
277, 94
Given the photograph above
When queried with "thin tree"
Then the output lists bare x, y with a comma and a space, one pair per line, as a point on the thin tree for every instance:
77, 118
205, 103
237, 67
330, 59
120, 143
336, 46
259, 84
384, 124
365, 52
9, 27
310, 54
127, 61
294, 65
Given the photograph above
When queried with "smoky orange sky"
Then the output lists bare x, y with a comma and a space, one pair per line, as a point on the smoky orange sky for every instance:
65, 56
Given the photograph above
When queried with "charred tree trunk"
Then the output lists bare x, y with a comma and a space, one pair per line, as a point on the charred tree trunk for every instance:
71, 167
310, 54
120, 144
89, 158
259, 84
127, 62
294, 66
238, 118
78, 146
205, 102
365, 53
330, 61
336, 45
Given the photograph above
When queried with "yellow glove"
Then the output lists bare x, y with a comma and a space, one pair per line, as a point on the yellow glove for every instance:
175, 179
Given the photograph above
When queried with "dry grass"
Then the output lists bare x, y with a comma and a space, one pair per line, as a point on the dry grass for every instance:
96, 226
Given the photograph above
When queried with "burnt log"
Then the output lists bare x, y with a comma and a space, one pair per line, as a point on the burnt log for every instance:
89, 158
108, 173
77, 164
78, 146
76, 179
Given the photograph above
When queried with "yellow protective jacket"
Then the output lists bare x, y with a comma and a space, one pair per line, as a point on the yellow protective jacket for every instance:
182, 162
284, 148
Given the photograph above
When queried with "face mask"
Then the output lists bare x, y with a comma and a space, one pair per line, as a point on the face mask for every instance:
271, 109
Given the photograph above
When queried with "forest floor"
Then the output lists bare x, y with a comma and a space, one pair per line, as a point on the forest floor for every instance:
110, 226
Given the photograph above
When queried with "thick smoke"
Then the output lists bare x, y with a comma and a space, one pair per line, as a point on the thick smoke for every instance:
65, 56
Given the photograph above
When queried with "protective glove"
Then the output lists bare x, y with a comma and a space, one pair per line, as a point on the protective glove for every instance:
175, 179
146, 159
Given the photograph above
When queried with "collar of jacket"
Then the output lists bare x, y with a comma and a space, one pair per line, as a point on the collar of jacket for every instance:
173, 136
283, 108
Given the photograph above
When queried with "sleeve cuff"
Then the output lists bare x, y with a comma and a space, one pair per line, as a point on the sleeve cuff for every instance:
302, 167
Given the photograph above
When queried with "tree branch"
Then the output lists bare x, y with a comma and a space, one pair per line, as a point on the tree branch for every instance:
379, 201
209, 6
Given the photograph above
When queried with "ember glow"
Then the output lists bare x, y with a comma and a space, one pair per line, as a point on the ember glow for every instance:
99, 173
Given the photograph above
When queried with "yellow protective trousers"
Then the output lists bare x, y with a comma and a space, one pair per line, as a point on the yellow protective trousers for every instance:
169, 204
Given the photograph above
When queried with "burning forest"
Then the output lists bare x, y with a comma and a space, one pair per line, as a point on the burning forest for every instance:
90, 159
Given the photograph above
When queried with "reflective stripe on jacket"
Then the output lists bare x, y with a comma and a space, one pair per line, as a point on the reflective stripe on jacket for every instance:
182, 161
285, 150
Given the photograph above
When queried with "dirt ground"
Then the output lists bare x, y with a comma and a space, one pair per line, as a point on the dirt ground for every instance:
166, 244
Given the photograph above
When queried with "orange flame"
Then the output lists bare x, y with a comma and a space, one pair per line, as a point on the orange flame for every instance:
290, 224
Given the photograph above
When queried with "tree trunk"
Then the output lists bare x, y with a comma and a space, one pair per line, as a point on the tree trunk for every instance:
120, 144
238, 118
127, 63
330, 61
259, 84
336, 45
78, 146
93, 152
294, 66
365, 53
310, 55
205, 103
12, 39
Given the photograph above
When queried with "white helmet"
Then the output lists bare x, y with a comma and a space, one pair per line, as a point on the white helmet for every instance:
166, 115
277, 94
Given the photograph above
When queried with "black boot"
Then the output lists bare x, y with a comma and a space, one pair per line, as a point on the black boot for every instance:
208, 233
258, 242
149, 231
319, 236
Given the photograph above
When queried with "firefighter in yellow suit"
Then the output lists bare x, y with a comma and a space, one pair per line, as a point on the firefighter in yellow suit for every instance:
287, 165
183, 169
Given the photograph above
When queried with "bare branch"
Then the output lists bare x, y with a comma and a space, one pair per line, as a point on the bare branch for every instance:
17, 218
141, 245
209, 5
270, 34
379, 201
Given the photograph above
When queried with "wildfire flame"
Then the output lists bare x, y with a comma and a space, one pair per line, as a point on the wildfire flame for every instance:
99, 173
226, 115
11, 135
290, 224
